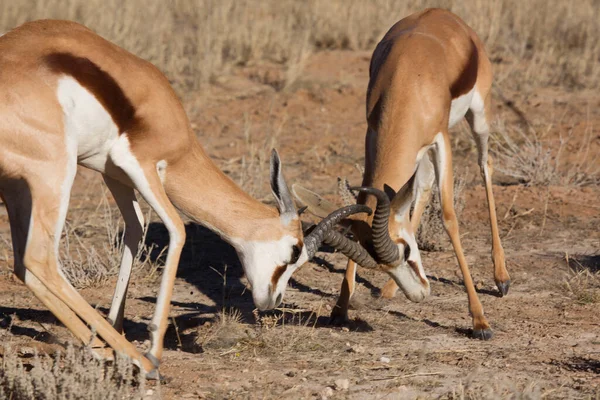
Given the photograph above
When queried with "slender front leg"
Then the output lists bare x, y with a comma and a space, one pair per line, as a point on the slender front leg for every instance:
339, 314
443, 169
150, 187
478, 118
134, 223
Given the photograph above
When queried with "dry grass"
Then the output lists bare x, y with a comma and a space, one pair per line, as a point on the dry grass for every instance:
536, 42
534, 159
582, 283
87, 265
76, 374
500, 389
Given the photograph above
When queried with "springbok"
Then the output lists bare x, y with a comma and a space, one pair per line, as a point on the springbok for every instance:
426, 74
71, 97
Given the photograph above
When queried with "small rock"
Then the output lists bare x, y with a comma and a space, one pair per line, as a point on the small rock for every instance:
291, 374
384, 360
342, 384
345, 329
326, 393
149, 392
357, 348
303, 379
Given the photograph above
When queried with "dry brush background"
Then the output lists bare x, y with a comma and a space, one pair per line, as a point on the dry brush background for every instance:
549, 49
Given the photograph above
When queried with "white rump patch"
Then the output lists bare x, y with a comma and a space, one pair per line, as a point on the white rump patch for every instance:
459, 107
89, 127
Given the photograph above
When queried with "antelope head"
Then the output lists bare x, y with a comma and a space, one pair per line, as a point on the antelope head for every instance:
269, 264
391, 246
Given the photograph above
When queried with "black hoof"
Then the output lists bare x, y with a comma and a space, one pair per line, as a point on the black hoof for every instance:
338, 319
154, 375
155, 361
503, 287
482, 334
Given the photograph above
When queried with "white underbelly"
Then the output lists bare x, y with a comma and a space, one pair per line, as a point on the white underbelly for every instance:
459, 107
89, 129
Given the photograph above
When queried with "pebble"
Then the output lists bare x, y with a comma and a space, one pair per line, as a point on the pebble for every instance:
326, 393
357, 348
342, 384
384, 360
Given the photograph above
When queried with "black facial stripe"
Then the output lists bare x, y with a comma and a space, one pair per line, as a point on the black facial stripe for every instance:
406, 252
295, 254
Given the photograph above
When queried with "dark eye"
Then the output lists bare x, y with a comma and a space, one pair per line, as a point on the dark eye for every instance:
295, 255
406, 252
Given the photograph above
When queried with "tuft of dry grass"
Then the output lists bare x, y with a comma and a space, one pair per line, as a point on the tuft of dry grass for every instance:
537, 42
74, 375
535, 160
582, 283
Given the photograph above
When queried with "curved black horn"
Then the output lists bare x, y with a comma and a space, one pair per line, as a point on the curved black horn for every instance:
314, 239
386, 250
352, 250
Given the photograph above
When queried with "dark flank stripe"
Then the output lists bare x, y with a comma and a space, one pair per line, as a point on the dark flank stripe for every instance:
466, 80
99, 83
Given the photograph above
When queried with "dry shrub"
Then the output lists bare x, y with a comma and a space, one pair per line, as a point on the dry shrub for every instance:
195, 42
225, 332
76, 374
533, 160
431, 235
85, 264
583, 281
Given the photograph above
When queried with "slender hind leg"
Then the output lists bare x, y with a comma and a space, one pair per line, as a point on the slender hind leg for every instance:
443, 170
478, 117
18, 204
49, 201
423, 184
134, 223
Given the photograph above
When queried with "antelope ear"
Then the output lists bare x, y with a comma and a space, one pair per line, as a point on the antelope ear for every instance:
285, 202
403, 199
314, 203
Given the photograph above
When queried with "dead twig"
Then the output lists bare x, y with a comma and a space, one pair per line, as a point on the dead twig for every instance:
387, 378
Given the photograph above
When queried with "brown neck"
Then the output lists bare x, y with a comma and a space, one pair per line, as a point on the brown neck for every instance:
200, 190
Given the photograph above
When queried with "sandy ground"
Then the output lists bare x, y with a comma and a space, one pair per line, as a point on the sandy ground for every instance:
547, 336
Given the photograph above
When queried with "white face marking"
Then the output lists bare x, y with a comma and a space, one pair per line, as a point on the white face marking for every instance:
89, 127
459, 107
260, 259
404, 275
